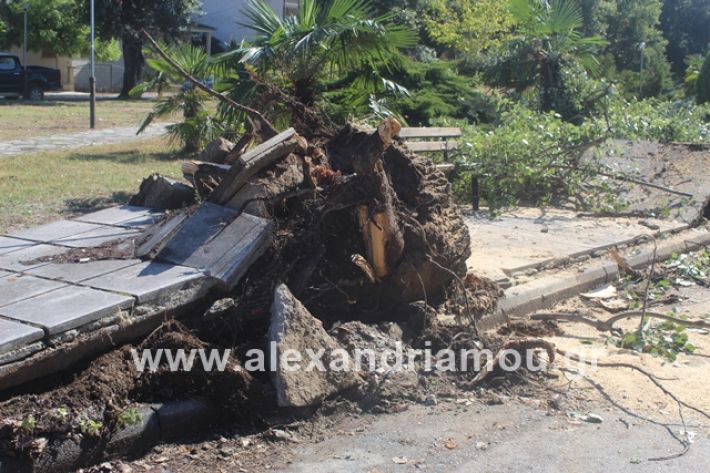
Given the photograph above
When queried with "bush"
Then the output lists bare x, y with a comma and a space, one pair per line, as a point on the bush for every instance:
659, 120
530, 159
436, 90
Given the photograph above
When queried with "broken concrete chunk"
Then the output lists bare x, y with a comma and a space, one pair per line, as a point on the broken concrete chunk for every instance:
162, 193
216, 151
294, 330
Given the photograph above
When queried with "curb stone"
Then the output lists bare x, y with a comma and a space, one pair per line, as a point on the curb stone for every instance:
547, 292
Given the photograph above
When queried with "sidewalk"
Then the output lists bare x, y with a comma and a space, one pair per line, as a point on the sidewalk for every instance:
81, 139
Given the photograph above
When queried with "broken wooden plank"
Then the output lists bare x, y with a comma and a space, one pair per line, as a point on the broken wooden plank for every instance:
431, 146
218, 243
157, 236
430, 132
252, 162
445, 168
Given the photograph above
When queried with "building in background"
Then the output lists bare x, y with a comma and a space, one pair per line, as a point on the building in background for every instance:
225, 16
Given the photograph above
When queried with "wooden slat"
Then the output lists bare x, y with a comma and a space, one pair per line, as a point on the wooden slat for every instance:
252, 162
430, 132
445, 168
431, 146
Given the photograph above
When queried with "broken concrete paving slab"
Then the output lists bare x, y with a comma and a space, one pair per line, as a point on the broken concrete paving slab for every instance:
78, 272
8, 245
19, 287
67, 308
213, 241
98, 236
294, 330
30, 257
123, 216
15, 335
148, 282
55, 231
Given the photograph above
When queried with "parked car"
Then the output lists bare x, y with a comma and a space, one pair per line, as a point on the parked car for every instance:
39, 79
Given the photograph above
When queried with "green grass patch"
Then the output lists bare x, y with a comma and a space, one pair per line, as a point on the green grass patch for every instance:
44, 186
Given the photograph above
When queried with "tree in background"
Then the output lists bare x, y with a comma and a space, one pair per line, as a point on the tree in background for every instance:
468, 27
123, 20
703, 83
54, 25
635, 22
686, 25
550, 33
198, 127
337, 45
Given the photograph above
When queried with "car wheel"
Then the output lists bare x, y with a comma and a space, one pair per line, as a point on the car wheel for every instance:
35, 93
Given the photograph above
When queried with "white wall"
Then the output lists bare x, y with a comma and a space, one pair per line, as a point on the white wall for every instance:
225, 14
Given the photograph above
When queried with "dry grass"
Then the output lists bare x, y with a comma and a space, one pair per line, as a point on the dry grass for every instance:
40, 187
24, 120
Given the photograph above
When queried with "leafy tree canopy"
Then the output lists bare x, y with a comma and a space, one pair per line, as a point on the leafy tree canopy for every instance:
466, 26
56, 26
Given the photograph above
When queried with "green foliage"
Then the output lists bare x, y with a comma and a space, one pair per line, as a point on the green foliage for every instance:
89, 426
633, 24
198, 126
327, 46
659, 120
468, 27
437, 90
550, 36
703, 84
685, 25
29, 423
531, 158
129, 417
53, 25
666, 340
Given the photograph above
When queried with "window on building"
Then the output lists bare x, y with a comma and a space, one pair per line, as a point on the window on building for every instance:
290, 7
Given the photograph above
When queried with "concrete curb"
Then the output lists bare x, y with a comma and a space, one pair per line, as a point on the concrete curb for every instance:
159, 423
547, 292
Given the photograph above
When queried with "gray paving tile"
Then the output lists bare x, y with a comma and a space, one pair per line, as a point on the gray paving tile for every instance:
148, 282
54, 231
67, 308
15, 335
77, 272
5, 273
98, 236
123, 216
18, 287
22, 260
228, 250
8, 244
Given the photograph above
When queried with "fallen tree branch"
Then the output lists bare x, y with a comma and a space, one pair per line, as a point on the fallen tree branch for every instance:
266, 130
520, 346
608, 325
651, 377
684, 442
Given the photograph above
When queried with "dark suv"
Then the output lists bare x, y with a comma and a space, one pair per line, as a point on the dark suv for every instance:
39, 79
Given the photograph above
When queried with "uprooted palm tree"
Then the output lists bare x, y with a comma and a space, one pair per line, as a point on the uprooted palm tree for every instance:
334, 47
551, 30
198, 126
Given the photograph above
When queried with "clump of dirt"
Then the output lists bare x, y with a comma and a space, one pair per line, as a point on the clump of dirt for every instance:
114, 249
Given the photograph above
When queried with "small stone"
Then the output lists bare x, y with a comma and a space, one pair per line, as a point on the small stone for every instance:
431, 400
